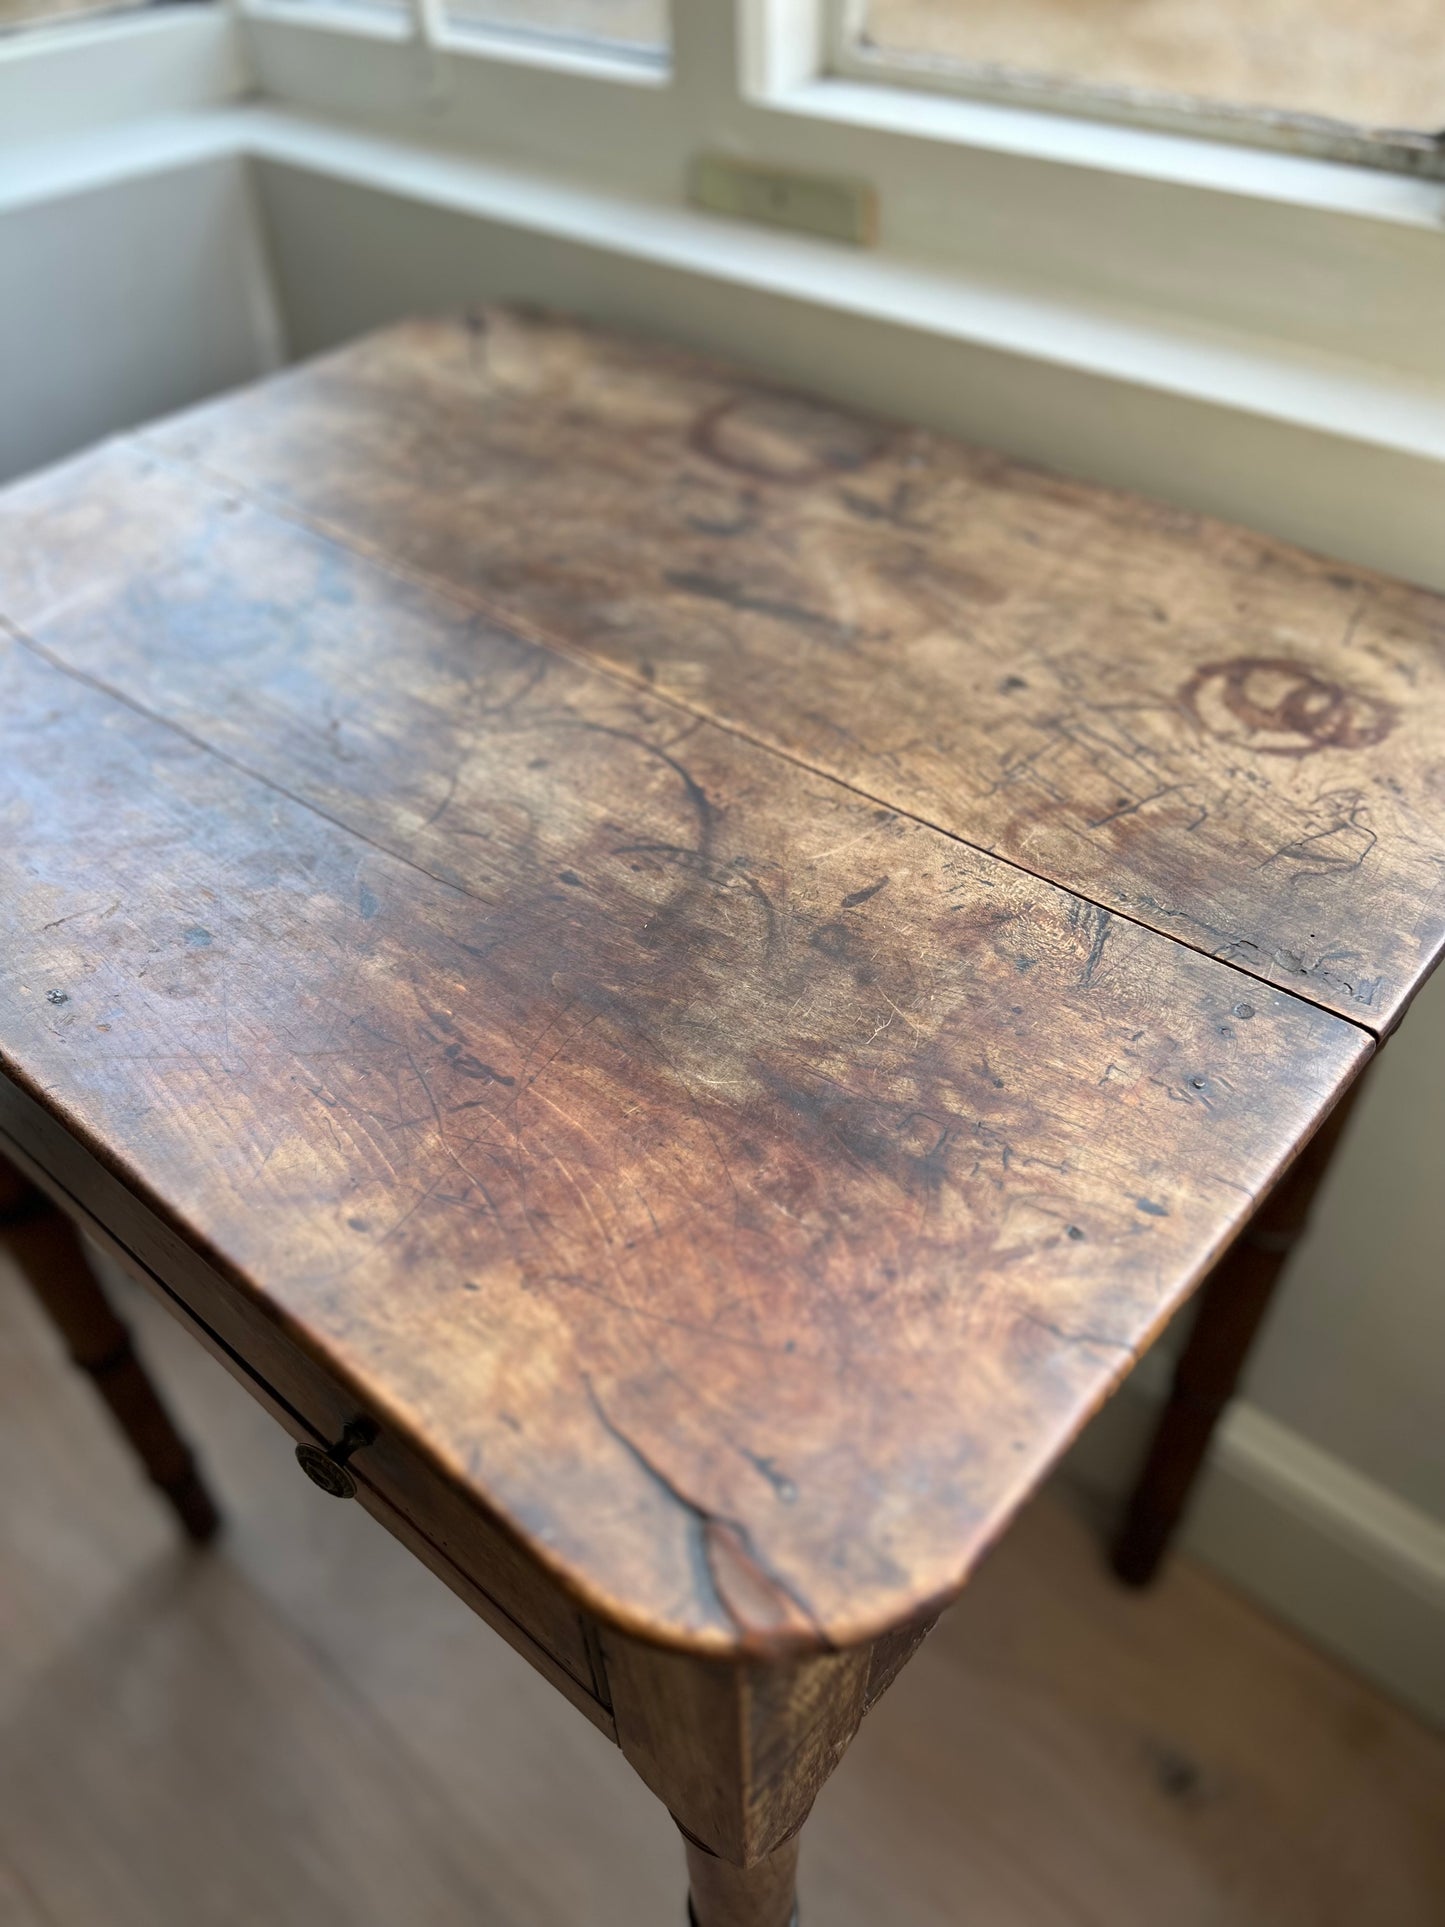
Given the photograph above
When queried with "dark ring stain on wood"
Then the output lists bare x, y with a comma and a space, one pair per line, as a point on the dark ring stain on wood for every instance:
774, 436
1280, 707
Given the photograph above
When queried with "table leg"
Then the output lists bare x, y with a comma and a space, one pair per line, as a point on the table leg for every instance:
738, 1750
1232, 1306
721, 1895
51, 1258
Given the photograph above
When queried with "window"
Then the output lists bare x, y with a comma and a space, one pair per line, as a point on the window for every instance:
1241, 323
636, 24
632, 29
42, 13
1311, 74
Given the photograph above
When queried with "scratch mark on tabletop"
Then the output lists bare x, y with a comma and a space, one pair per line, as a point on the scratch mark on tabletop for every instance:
730, 1571
1102, 923
56, 922
1101, 1339
714, 589
785, 1488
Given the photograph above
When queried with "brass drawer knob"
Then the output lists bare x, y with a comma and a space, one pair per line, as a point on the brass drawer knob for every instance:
325, 1465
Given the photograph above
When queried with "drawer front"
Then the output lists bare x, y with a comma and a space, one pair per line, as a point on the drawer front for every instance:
415, 1499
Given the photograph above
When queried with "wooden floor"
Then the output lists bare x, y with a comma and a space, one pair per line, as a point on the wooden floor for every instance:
303, 1729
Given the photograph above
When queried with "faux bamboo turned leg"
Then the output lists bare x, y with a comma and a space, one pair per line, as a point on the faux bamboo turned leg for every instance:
1232, 1306
721, 1895
50, 1256
737, 1750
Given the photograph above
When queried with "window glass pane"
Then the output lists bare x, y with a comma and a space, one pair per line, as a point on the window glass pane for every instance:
387, 9
37, 13
1372, 63
636, 24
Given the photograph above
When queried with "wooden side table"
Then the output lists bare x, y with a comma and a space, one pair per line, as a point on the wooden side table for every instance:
679, 980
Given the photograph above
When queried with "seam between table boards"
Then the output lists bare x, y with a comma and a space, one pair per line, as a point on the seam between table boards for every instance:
524, 629
33, 646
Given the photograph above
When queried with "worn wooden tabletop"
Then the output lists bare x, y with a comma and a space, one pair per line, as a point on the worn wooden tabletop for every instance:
723, 965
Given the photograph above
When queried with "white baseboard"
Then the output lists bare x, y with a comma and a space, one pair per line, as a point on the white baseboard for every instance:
1343, 1560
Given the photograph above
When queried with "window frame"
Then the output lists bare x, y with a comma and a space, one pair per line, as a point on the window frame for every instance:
1315, 136
426, 22
69, 78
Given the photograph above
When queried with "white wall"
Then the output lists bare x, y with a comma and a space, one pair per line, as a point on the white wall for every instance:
1327, 1496
1354, 1357
121, 302
1325, 1493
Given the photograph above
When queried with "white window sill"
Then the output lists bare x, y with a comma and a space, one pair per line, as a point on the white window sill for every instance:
1147, 154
